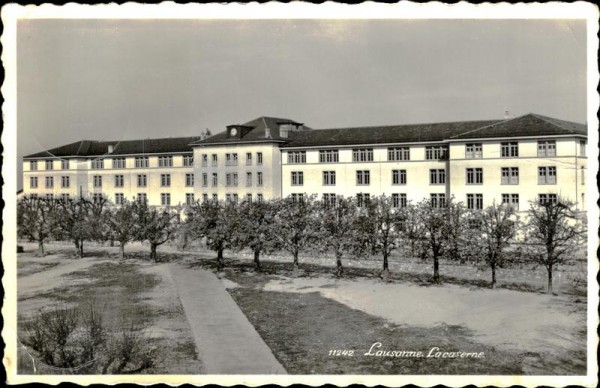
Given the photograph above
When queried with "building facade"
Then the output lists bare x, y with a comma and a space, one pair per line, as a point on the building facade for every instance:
513, 161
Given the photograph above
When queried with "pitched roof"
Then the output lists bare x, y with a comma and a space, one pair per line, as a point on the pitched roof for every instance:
410, 133
257, 133
528, 125
87, 148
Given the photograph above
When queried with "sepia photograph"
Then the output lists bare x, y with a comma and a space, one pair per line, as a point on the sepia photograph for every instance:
300, 193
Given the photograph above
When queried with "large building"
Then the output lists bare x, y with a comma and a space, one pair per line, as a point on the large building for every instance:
515, 161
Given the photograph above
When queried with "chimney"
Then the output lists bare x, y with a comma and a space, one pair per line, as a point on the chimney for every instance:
111, 148
506, 115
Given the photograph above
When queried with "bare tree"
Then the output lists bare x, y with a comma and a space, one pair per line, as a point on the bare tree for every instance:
37, 219
255, 229
553, 233
72, 221
295, 225
337, 229
157, 226
123, 224
498, 226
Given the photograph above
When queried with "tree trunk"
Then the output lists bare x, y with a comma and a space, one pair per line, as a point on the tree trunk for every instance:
112, 242
41, 248
220, 261
153, 251
385, 274
296, 263
257, 259
338, 263
436, 269
493, 275
122, 246
76, 245
549, 279
81, 248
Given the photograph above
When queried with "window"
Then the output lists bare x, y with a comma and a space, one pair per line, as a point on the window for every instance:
33, 165
475, 201
582, 175
362, 199
204, 179
64, 181
165, 199
97, 197
64, 164
248, 158
329, 178
49, 165
50, 196
546, 148
165, 161
248, 197
227, 180
329, 156
189, 180
49, 182
33, 182
215, 198
362, 155
119, 198
205, 197
399, 200
437, 176
259, 158
119, 180
189, 198
259, 198
438, 200
329, 200
97, 164
509, 149
474, 176
363, 177
228, 197
64, 197
33, 195
142, 198
235, 198
511, 200
165, 180
547, 175
141, 162
97, 181
142, 180
215, 160
398, 177
582, 146
297, 197
235, 180
204, 160
297, 178
296, 157
398, 153
231, 159
436, 152
547, 199
248, 179
474, 151
510, 176
259, 179
215, 179
188, 160
118, 162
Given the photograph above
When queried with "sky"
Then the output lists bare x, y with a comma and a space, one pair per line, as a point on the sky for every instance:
131, 79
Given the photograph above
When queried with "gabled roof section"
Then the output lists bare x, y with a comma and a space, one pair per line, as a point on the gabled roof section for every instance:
411, 133
258, 132
527, 125
89, 148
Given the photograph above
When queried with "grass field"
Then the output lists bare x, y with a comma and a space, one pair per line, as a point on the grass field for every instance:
302, 319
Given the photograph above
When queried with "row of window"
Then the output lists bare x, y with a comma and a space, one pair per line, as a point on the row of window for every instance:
118, 163
509, 176
472, 151
231, 159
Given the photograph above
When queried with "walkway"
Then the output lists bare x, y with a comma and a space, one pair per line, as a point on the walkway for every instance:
226, 341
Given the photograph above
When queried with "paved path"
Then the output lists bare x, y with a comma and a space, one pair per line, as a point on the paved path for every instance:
226, 341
